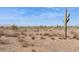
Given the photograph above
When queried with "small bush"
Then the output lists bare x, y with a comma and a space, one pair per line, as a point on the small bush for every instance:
42, 38
46, 34
53, 38
14, 27
21, 40
25, 44
33, 38
4, 42
33, 50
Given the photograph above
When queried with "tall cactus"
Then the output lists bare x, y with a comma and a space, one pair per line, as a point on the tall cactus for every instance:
66, 20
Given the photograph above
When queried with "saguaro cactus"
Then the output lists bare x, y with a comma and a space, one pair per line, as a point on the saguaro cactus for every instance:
66, 20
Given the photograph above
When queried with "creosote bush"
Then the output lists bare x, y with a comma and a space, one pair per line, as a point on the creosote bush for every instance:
33, 38
14, 27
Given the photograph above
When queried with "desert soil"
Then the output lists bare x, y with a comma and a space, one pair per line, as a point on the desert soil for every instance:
38, 40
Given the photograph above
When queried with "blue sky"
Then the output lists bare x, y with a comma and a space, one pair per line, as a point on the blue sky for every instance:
36, 16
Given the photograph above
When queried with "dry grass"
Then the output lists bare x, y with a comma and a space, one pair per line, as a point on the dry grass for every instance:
38, 39
25, 44
4, 42
53, 38
42, 38
33, 38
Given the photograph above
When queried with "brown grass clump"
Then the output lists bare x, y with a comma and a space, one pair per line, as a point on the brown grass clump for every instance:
53, 38
4, 42
25, 44
46, 34
33, 50
14, 27
40, 34
77, 38
74, 36
33, 38
21, 40
30, 34
61, 38
42, 38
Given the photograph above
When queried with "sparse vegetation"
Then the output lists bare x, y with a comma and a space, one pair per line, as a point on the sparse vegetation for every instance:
25, 44
33, 38
4, 42
33, 50
14, 27
42, 38
21, 40
53, 38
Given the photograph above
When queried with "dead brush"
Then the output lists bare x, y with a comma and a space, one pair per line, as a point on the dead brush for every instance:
4, 42
21, 40
61, 36
42, 38
14, 27
53, 38
74, 36
77, 38
46, 34
40, 34
2, 33
25, 44
33, 50
30, 34
33, 38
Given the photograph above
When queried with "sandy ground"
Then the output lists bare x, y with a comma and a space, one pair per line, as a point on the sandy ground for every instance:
38, 40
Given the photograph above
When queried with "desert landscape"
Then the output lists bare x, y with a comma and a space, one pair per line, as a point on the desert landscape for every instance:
38, 39
39, 29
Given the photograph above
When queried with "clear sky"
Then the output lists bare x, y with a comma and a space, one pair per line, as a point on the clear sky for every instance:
35, 16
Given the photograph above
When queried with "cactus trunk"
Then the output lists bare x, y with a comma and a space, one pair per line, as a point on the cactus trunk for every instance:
66, 19
65, 30
65, 27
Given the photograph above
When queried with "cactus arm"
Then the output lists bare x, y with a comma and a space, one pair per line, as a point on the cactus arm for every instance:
68, 17
68, 20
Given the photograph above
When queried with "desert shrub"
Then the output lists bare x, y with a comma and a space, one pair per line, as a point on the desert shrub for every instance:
40, 34
4, 42
53, 38
14, 27
77, 38
1, 26
30, 34
25, 44
33, 50
2, 33
33, 38
61, 38
46, 34
42, 38
21, 40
